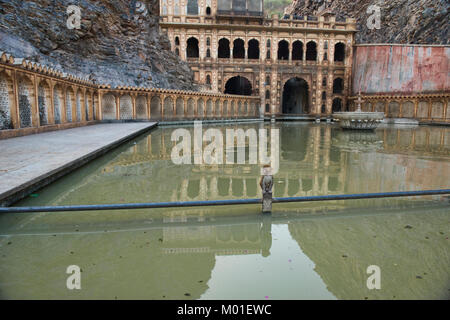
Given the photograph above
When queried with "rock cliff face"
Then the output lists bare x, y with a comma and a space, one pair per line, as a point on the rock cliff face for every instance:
118, 43
402, 21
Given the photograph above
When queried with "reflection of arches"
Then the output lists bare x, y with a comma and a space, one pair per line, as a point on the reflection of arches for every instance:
238, 49
141, 107
224, 48
57, 98
43, 102
338, 86
311, 51
5, 102
295, 96
168, 108
155, 108
337, 105
339, 52
253, 49
297, 50
126, 108
238, 85
109, 107
25, 98
192, 7
283, 50
192, 50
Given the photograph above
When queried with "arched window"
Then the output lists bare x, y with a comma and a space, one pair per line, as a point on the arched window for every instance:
208, 53
267, 94
311, 51
224, 48
324, 96
268, 54
177, 41
253, 49
208, 11
192, 7
268, 43
208, 79
283, 50
177, 52
192, 48
238, 49
267, 108
208, 41
324, 82
339, 52
297, 50
338, 86
267, 80
337, 105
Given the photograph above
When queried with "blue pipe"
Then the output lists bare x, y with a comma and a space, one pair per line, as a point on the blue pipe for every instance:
128, 206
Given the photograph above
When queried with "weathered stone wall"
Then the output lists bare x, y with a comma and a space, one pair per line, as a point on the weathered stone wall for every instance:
402, 21
116, 44
394, 69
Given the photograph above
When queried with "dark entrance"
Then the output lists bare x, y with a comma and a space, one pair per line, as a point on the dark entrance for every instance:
295, 97
239, 86
192, 48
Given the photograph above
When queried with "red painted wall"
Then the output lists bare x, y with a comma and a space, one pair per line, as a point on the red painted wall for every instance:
379, 69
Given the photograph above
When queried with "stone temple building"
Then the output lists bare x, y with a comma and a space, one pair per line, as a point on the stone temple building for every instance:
299, 66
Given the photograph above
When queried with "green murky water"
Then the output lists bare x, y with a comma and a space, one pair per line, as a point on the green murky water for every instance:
301, 251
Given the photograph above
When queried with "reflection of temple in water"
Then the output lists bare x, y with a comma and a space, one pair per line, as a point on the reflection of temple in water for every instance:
314, 160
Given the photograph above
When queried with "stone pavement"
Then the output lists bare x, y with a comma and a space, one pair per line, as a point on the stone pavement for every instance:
31, 162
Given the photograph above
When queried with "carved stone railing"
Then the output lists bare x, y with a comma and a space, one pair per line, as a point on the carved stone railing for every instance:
36, 98
426, 108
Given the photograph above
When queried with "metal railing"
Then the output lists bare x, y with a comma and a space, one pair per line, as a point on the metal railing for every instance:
132, 206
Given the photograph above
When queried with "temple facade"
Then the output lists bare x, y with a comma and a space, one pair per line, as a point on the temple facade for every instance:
297, 66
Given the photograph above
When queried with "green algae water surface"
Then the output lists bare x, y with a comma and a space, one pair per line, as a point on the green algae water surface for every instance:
301, 251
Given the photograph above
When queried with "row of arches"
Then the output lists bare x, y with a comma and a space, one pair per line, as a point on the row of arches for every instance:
418, 109
55, 105
298, 51
173, 108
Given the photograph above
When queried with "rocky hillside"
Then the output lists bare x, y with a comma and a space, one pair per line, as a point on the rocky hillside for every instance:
118, 43
402, 21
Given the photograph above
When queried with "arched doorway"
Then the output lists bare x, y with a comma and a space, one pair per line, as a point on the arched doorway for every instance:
238, 49
192, 48
238, 85
337, 105
339, 52
224, 48
253, 49
295, 96
283, 50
